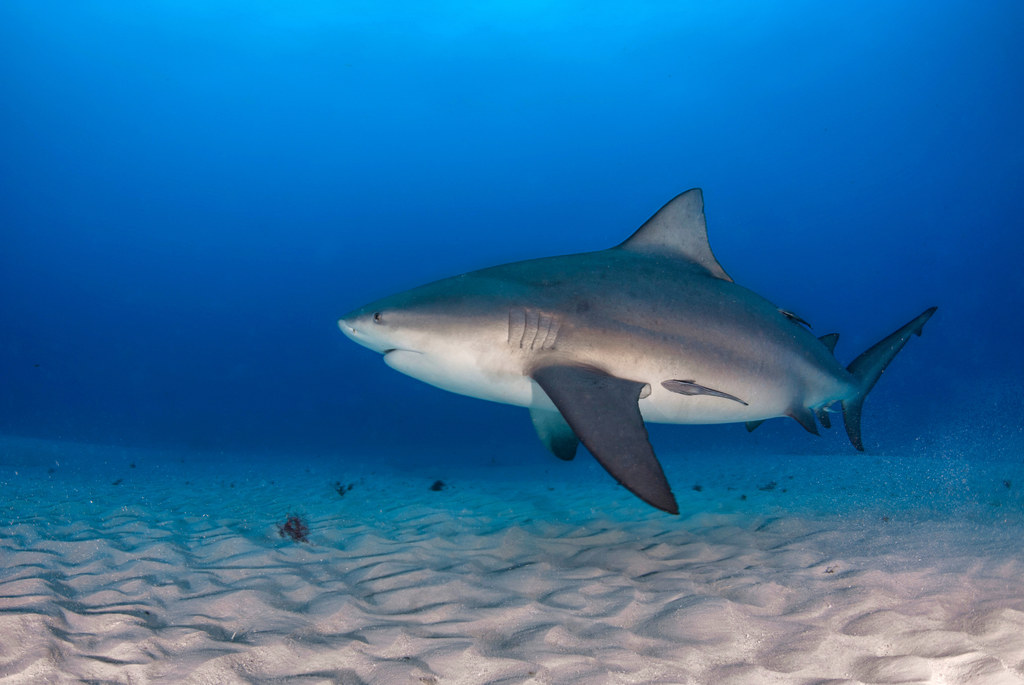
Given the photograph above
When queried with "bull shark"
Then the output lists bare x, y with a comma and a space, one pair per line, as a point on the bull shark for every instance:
595, 344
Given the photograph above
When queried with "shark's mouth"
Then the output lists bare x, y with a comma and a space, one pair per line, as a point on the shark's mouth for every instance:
399, 349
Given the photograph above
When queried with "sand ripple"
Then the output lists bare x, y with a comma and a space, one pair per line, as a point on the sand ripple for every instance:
458, 589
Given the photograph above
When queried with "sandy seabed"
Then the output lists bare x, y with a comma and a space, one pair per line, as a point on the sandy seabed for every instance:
125, 567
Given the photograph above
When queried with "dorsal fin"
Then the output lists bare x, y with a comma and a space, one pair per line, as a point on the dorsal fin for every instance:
678, 229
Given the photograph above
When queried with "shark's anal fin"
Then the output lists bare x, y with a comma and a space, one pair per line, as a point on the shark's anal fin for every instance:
602, 411
805, 417
829, 340
692, 388
555, 433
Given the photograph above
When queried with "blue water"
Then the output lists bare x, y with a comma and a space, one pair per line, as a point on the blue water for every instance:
192, 193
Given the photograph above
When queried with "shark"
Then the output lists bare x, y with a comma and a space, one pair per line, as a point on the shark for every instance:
596, 344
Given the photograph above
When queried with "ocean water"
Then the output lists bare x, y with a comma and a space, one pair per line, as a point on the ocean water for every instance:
191, 195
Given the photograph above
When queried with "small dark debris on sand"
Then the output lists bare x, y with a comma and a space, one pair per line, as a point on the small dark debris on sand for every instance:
438, 486
295, 528
118, 481
341, 488
698, 487
1007, 484
767, 486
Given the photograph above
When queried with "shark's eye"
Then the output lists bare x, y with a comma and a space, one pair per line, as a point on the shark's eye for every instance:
378, 317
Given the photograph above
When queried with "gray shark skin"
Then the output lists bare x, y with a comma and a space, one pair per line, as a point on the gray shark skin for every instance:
597, 343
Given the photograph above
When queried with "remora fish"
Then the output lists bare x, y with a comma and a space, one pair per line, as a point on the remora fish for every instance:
596, 343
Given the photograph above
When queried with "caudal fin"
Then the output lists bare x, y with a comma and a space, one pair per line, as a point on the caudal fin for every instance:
868, 367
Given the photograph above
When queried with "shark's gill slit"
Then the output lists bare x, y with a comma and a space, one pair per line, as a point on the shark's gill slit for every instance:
550, 333
516, 326
543, 325
530, 331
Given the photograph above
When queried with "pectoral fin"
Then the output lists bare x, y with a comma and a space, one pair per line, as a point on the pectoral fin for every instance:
692, 388
602, 411
555, 433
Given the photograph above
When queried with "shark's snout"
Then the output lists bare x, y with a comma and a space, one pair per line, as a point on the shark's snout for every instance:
365, 327
355, 329
346, 327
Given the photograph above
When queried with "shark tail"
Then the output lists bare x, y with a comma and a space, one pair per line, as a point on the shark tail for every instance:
868, 367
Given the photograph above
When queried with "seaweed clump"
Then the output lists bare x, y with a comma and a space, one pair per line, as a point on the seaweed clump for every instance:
295, 528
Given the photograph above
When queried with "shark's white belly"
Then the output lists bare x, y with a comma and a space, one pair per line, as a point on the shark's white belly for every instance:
460, 373
505, 382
